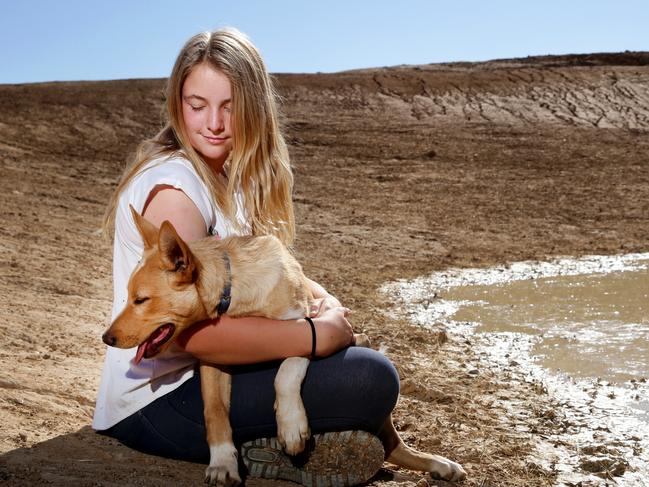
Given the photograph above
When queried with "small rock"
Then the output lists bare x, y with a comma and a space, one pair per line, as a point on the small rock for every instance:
407, 387
431, 154
439, 337
473, 372
422, 482
423, 392
593, 449
604, 466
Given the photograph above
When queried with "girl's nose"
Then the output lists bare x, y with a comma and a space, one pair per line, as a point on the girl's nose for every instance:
215, 121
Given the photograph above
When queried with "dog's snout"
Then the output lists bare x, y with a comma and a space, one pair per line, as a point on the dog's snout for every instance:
109, 339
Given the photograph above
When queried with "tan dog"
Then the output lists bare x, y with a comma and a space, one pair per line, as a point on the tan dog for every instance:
178, 284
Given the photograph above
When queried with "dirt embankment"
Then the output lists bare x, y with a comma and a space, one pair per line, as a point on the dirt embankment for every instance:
399, 171
603, 92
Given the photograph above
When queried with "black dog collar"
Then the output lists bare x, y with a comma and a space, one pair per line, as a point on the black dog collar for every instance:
224, 302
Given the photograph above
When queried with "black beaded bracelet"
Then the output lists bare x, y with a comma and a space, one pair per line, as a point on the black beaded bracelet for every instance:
313, 341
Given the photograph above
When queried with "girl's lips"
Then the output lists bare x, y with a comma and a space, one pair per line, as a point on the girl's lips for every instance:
215, 140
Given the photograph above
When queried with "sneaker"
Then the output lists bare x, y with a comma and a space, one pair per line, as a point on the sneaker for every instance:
334, 459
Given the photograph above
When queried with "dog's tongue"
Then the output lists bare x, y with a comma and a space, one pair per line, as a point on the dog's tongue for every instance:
141, 348
153, 343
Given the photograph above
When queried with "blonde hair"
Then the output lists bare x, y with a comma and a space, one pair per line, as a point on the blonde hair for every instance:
258, 164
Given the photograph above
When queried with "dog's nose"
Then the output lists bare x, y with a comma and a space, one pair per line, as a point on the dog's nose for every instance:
109, 339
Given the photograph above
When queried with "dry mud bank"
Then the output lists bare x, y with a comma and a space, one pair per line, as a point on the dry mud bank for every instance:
399, 172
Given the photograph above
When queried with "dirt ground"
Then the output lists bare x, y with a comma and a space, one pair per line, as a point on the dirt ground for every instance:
399, 172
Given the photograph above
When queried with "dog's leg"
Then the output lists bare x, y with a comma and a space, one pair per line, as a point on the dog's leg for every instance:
292, 423
223, 470
398, 453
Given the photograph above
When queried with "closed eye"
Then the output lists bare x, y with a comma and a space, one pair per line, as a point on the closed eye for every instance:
140, 300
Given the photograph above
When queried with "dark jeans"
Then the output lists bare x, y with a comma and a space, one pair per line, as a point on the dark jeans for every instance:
356, 388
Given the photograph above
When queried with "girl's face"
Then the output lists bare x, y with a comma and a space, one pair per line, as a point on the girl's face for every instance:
207, 102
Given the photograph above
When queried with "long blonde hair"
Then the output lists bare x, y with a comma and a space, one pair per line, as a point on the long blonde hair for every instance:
258, 164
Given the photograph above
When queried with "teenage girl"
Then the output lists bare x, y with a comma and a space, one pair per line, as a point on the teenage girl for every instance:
220, 166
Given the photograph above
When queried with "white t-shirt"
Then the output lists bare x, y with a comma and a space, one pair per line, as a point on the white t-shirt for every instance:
125, 387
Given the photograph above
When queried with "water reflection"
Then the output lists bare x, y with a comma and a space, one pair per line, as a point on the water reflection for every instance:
591, 326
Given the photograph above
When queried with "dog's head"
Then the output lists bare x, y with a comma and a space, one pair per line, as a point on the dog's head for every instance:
162, 296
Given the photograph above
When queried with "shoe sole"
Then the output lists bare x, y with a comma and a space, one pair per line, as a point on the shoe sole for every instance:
334, 459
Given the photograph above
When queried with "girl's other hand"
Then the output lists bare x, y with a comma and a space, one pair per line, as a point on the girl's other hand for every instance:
320, 305
333, 331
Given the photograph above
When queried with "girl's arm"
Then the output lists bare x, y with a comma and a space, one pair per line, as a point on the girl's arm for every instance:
251, 339
231, 341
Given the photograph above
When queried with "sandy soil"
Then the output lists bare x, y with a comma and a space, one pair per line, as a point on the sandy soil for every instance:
399, 172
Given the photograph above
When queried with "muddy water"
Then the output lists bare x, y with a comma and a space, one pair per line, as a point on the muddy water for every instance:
589, 326
581, 326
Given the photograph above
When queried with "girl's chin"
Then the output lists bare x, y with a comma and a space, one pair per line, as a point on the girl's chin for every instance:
213, 159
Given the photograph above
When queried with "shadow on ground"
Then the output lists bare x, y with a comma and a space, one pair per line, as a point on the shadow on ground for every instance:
85, 458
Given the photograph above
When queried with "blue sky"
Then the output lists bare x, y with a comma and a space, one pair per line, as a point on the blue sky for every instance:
47, 40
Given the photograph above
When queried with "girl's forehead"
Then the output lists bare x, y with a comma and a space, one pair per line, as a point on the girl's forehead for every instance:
206, 82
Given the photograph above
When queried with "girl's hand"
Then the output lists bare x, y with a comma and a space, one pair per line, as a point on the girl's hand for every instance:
333, 331
320, 305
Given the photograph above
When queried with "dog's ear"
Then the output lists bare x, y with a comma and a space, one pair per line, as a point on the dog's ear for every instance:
175, 254
148, 230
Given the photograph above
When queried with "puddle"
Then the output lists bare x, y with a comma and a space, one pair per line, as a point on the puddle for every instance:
581, 326
589, 327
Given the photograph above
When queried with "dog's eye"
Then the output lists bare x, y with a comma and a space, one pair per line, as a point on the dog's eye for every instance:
140, 300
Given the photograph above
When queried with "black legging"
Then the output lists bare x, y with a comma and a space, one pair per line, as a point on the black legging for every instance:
356, 388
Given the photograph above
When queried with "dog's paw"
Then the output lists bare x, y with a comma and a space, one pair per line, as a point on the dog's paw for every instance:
293, 440
292, 427
223, 470
221, 476
446, 469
